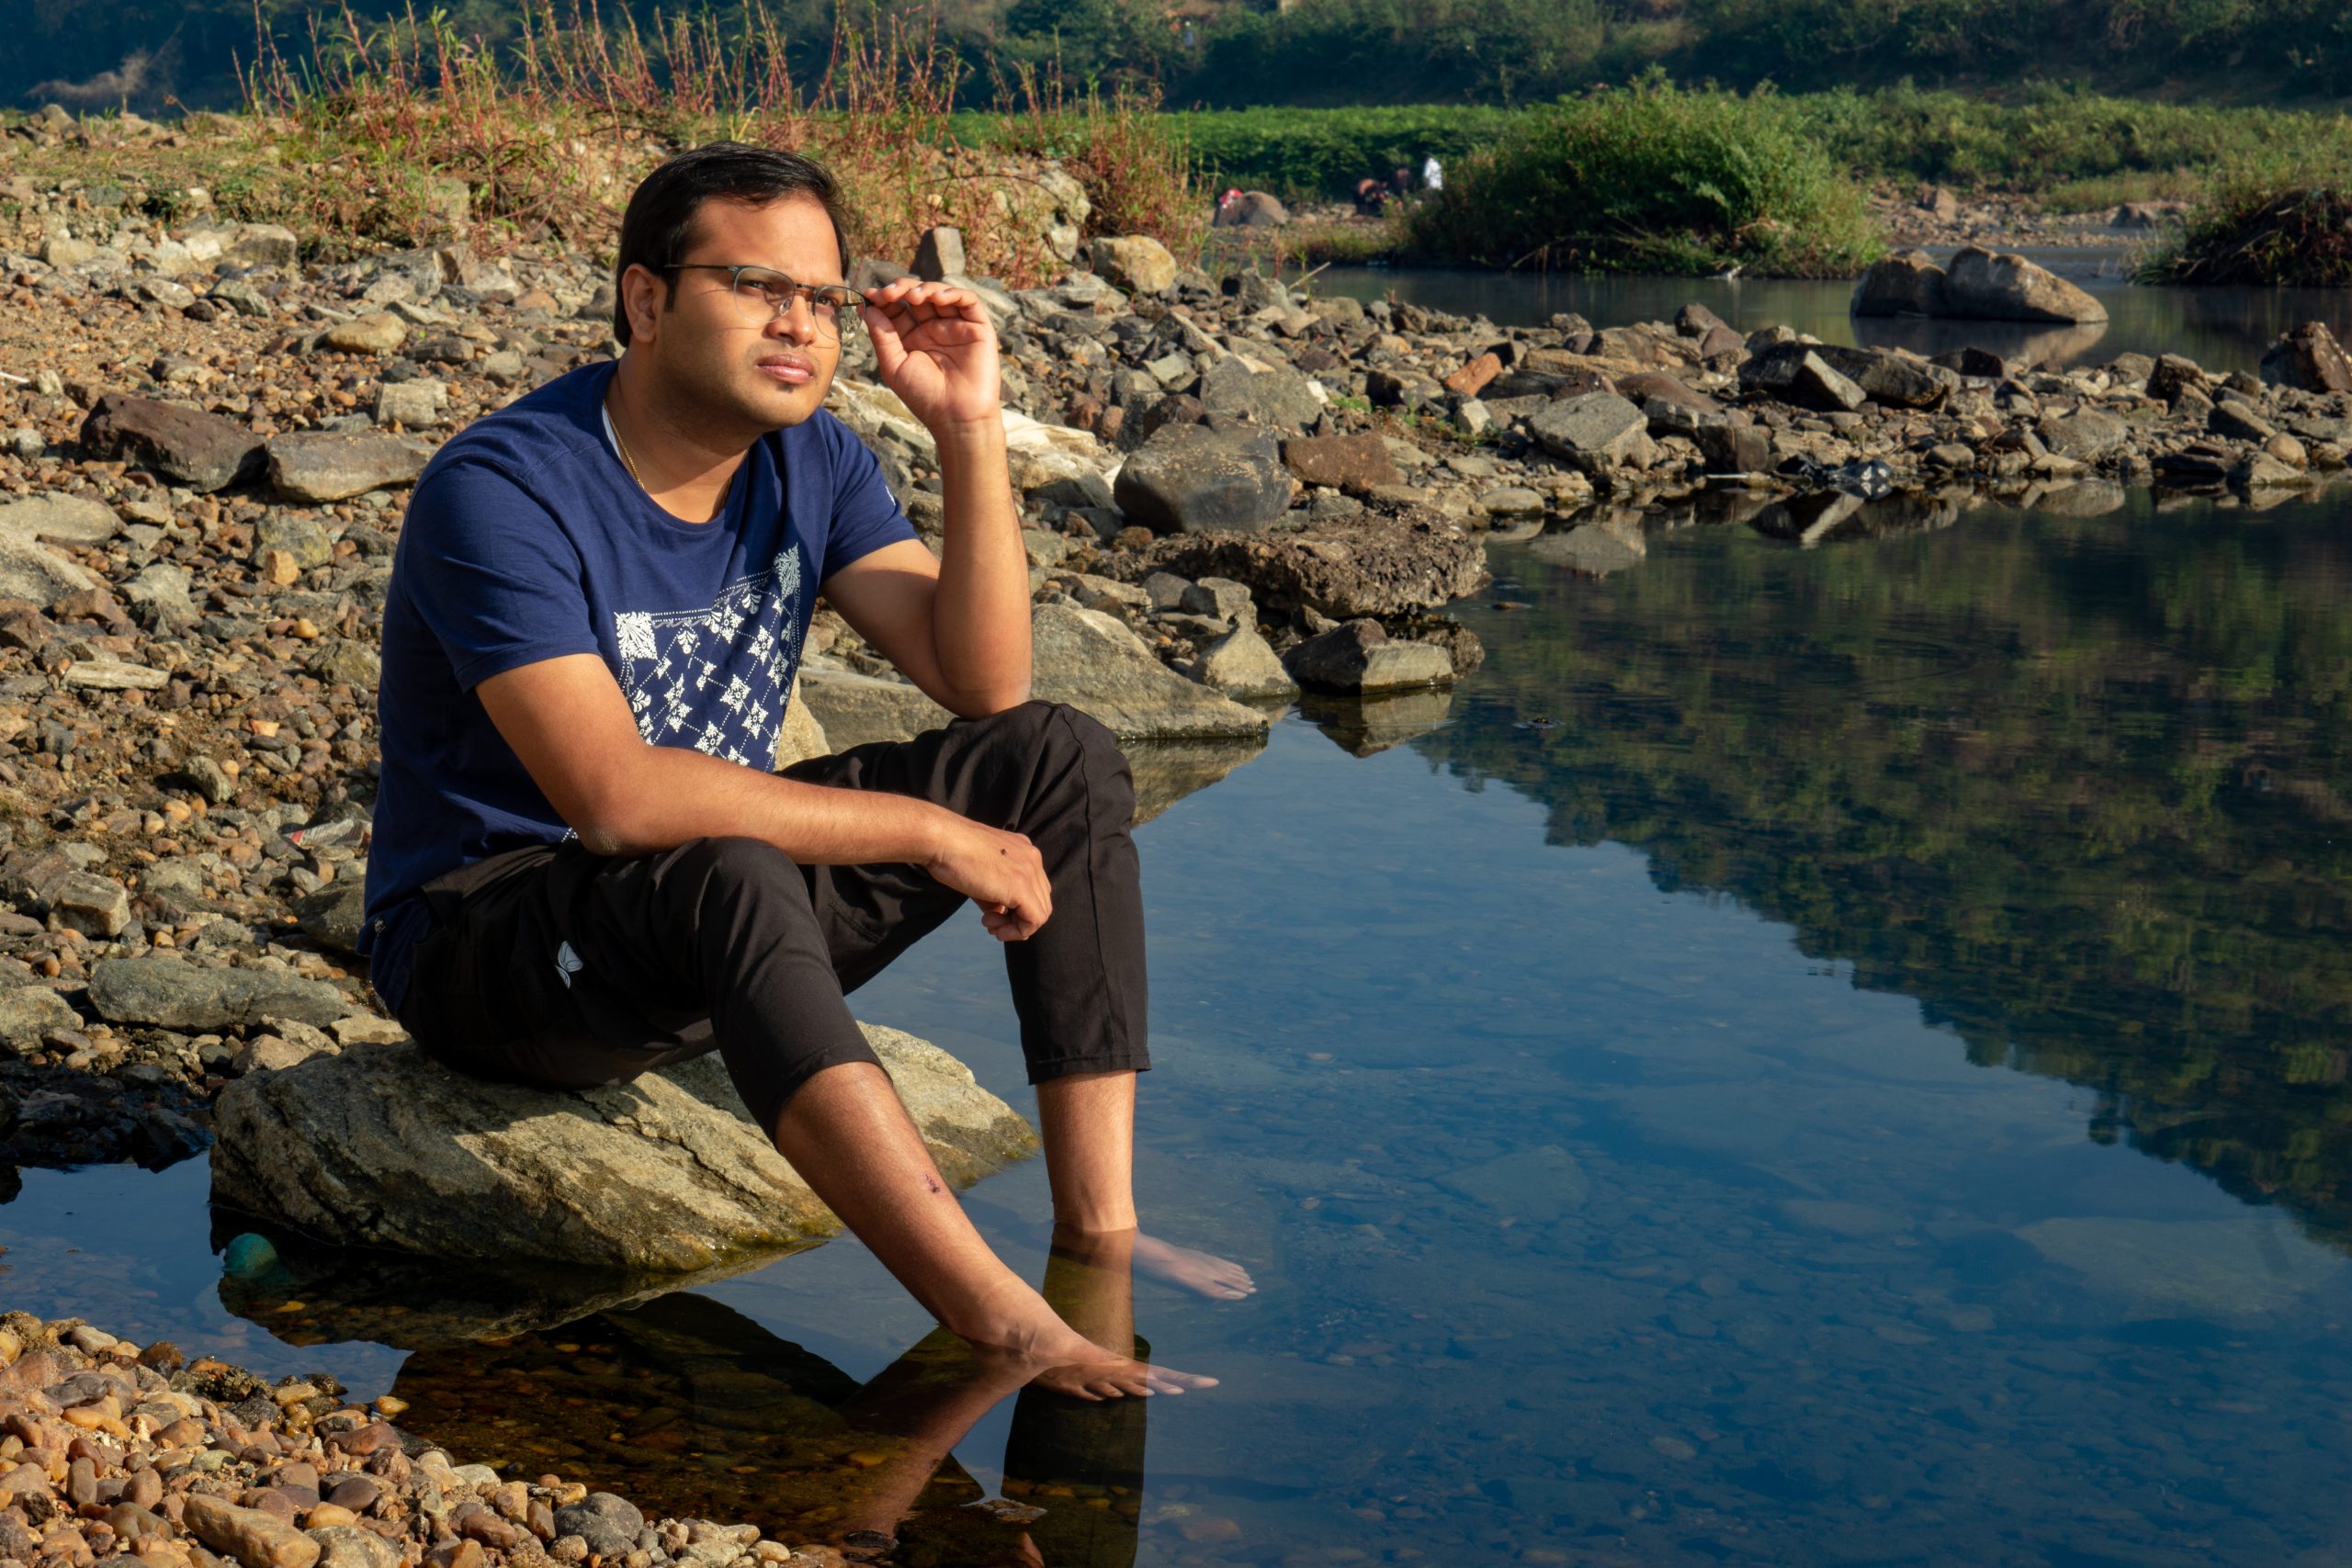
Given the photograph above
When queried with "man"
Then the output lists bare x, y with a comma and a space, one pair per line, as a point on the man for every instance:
582, 866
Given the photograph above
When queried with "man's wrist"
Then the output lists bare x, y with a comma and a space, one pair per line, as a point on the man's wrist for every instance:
970, 440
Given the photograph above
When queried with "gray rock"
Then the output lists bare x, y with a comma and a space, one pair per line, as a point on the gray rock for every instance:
1279, 398
382, 1146
30, 1013
1894, 380
854, 709
2085, 435
1220, 597
1908, 283
1135, 263
162, 587
263, 245
1187, 478
346, 662
1241, 664
173, 994
1596, 431
60, 519
939, 254
415, 404
2003, 286
93, 905
114, 675
1366, 565
319, 466
304, 538
2237, 422
1797, 373
201, 451
208, 779
1096, 665
607, 1523
1362, 657
381, 332
37, 573
331, 917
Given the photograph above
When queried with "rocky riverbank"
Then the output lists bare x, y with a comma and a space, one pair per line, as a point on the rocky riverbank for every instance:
1232, 493
121, 1453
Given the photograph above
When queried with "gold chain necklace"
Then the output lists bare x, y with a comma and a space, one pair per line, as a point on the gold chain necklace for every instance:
626, 461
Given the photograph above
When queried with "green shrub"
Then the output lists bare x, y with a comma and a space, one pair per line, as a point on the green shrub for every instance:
2271, 222
1297, 152
1653, 179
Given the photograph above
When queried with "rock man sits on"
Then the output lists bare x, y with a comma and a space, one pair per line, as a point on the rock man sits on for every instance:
584, 867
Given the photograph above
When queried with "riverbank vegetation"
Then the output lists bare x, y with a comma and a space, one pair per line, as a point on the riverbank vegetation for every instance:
2269, 222
1651, 178
1230, 53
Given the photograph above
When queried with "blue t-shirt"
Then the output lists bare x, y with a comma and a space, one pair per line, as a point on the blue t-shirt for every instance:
526, 539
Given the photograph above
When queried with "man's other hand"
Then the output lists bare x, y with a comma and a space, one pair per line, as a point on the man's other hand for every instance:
936, 347
1003, 873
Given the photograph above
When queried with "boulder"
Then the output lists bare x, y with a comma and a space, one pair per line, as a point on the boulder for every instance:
1893, 380
1352, 463
1189, 478
1908, 283
1241, 664
322, 465
60, 520
331, 917
379, 1146
2004, 286
1283, 399
170, 993
28, 1014
1796, 373
1366, 565
1253, 209
1136, 263
38, 574
2308, 357
1095, 664
939, 254
1596, 431
852, 709
200, 450
1362, 657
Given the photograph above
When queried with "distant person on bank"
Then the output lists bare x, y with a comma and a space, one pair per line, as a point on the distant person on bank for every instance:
583, 865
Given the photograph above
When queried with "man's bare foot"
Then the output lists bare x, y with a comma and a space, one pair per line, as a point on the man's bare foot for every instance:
1219, 1278
1065, 1361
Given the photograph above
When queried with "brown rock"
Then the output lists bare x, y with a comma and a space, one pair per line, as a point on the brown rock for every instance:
255, 1539
201, 451
1472, 378
1369, 565
320, 466
1352, 463
2309, 356
2004, 286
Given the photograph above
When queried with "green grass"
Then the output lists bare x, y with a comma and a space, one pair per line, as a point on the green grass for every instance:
1653, 179
2266, 222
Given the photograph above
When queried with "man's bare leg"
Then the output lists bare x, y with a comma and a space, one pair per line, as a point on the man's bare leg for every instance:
1089, 1123
847, 1135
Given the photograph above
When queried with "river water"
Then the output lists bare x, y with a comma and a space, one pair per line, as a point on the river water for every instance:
1807, 1057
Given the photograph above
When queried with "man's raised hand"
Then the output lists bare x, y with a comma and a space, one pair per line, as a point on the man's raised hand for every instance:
1003, 873
935, 346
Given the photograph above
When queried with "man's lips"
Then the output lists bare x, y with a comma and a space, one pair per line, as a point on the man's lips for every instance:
788, 369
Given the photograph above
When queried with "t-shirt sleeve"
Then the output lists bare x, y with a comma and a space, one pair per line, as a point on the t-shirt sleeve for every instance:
492, 574
866, 516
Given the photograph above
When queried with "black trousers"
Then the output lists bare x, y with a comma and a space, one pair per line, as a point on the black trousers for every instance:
555, 966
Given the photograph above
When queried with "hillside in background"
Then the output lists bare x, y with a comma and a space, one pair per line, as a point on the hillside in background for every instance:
147, 53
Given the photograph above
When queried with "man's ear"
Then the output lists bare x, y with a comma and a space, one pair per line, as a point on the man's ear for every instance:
644, 293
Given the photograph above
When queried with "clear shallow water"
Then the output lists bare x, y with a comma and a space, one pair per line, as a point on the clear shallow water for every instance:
1809, 1056
2222, 329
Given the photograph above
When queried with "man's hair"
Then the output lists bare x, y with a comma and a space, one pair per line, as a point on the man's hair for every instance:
659, 227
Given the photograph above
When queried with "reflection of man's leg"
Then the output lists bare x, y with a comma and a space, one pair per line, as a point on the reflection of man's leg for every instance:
1083, 1464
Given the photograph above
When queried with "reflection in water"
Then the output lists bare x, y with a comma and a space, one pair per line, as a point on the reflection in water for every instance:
1363, 726
2079, 784
2222, 329
692, 1409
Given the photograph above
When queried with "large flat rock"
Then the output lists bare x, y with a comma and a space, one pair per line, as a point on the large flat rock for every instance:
1368, 565
382, 1146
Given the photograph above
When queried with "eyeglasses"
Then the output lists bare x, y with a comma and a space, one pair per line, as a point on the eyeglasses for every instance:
767, 287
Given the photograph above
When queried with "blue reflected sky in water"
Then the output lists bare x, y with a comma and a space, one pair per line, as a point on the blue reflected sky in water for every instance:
1594, 1223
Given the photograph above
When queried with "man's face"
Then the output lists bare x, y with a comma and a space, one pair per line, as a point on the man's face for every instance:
727, 354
